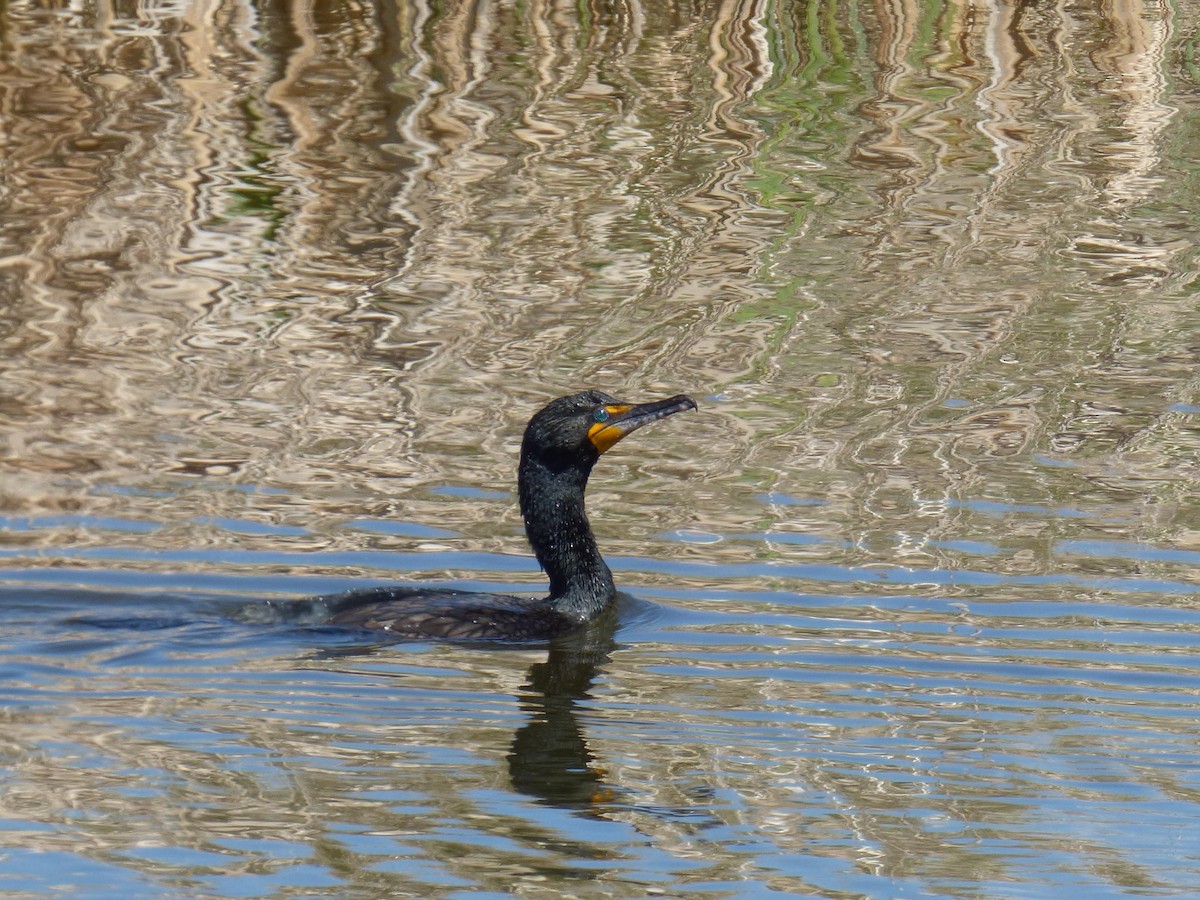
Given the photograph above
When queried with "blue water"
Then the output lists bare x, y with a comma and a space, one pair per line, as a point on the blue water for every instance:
875, 731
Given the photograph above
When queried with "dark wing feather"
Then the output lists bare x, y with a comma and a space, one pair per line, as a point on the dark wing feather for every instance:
446, 614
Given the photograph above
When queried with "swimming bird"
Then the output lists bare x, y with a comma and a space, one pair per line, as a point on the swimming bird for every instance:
562, 442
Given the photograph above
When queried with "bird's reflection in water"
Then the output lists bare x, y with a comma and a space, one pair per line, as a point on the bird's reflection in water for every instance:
549, 758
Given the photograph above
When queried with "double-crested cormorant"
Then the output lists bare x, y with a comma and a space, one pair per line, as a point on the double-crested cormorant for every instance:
562, 442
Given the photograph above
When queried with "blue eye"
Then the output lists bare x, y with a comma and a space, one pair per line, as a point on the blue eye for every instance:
601, 415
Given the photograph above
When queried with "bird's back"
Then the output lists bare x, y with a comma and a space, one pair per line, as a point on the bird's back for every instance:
438, 613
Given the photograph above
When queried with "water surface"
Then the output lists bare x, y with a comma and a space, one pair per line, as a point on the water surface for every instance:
911, 602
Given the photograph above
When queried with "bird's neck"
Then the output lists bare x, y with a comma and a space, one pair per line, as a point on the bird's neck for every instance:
558, 531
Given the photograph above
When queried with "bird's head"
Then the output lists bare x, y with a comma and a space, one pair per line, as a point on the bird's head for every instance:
573, 431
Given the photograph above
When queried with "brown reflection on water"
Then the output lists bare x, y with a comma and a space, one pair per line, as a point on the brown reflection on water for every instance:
277, 228
342, 251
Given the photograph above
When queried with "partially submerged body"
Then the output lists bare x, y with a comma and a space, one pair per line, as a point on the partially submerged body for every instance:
562, 442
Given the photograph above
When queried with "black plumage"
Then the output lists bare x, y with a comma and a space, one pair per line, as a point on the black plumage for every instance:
561, 445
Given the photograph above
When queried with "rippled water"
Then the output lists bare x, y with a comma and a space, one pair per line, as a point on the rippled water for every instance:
912, 600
